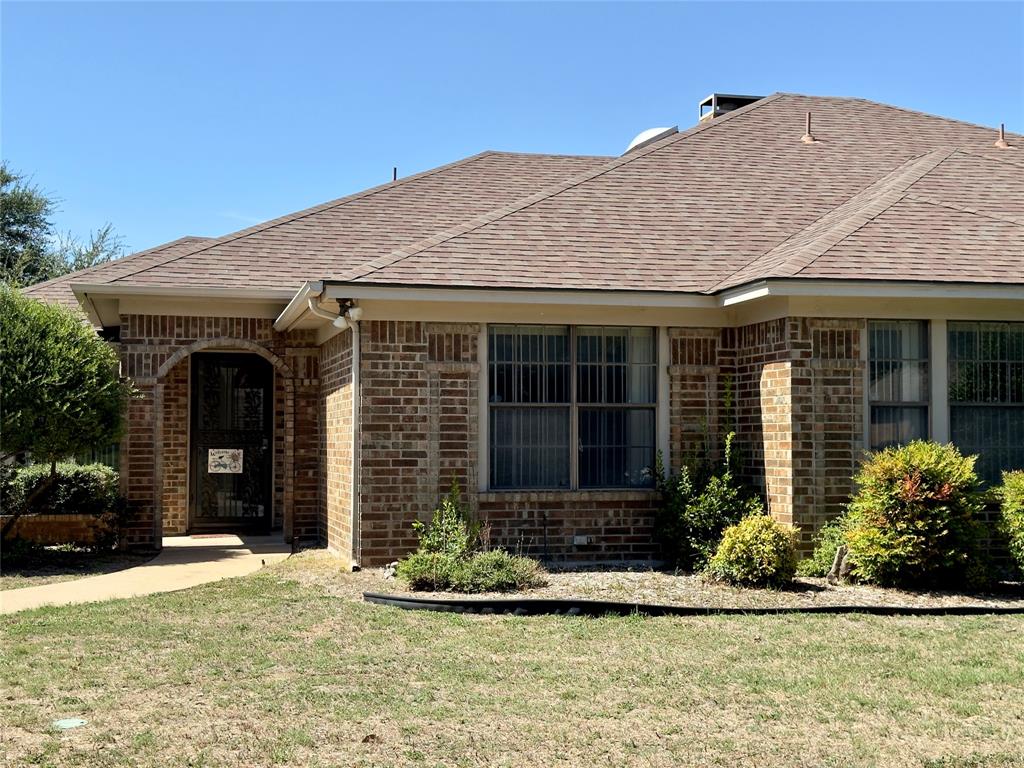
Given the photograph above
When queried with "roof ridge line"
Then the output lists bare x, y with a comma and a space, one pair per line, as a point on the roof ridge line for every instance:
330, 204
889, 176
929, 200
908, 179
922, 113
497, 214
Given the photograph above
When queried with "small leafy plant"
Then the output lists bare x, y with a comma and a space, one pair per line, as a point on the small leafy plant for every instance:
756, 552
497, 571
694, 513
450, 557
1011, 495
830, 537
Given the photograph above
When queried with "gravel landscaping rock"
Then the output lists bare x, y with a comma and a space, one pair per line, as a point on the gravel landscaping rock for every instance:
640, 585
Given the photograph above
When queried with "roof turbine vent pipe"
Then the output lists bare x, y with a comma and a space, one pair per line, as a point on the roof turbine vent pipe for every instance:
808, 137
1000, 143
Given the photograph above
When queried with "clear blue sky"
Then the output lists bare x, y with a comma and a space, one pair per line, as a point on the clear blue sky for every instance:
187, 118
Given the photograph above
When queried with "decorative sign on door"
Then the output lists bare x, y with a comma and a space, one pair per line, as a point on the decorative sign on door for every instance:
224, 461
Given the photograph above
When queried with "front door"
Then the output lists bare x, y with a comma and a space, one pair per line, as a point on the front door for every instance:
231, 438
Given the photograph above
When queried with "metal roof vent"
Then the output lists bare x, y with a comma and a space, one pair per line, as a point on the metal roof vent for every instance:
719, 103
650, 136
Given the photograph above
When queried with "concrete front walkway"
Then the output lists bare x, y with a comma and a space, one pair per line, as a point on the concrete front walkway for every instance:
185, 561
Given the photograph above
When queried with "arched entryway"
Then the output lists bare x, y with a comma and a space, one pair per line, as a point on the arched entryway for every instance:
223, 408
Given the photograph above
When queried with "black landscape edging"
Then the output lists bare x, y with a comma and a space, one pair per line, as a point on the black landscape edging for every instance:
515, 606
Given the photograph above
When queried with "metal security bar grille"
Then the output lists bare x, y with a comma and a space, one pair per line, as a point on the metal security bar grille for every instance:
616, 385
897, 381
986, 393
553, 386
530, 394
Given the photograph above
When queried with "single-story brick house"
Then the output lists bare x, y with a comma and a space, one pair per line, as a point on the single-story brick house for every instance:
822, 275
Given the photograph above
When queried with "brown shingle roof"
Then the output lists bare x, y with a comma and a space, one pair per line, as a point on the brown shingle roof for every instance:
885, 193
59, 291
730, 200
331, 239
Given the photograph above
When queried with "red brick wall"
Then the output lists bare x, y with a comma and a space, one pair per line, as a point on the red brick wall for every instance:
799, 389
175, 454
58, 529
419, 388
418, 427
150, 458
336, 444
617, 525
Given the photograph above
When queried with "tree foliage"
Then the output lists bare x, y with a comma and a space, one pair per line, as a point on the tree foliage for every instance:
61, 392
30, 250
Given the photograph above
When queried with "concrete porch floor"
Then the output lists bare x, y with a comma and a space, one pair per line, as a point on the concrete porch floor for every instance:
184, 561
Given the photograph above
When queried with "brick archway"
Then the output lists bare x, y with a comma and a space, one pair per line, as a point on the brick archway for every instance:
284, 388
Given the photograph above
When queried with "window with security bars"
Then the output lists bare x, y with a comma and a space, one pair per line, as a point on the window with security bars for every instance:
986, 393
898, 387
551, 387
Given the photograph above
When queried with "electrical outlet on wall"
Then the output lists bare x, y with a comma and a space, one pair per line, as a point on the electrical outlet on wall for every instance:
580, 541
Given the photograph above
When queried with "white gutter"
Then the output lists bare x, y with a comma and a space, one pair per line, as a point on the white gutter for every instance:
298, 306
874, 289
610, 298
235, 293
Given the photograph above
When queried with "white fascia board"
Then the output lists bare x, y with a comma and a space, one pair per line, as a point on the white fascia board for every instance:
609, 298
299, 305
870, 289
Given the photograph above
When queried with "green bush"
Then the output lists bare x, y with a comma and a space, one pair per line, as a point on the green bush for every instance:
89, 489
914, 518
756, 552
497, 571
449, 558
450, 532
430, 571
828, 540
697, 506
1011, 495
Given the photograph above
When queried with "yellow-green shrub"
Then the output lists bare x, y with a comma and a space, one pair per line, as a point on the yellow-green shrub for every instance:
1011, 494
914, 518
756, 552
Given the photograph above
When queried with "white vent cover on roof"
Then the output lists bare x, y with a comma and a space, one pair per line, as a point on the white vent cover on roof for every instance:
650, 135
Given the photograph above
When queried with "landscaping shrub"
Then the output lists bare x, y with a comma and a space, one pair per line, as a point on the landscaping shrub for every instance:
89, 489
694, 513
66, 488
756, 552
913, 520
497, 571
450, 532
431, 571
828, 540
1011, 495
449, 556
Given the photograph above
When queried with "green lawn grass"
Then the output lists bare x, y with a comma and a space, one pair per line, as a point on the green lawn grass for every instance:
264, 671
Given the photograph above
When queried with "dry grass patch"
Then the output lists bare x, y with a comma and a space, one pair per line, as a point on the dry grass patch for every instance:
266, 670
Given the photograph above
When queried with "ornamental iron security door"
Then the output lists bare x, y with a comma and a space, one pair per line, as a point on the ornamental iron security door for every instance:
231, 443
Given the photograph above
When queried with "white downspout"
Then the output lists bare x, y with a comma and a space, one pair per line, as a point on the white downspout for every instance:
357, 540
